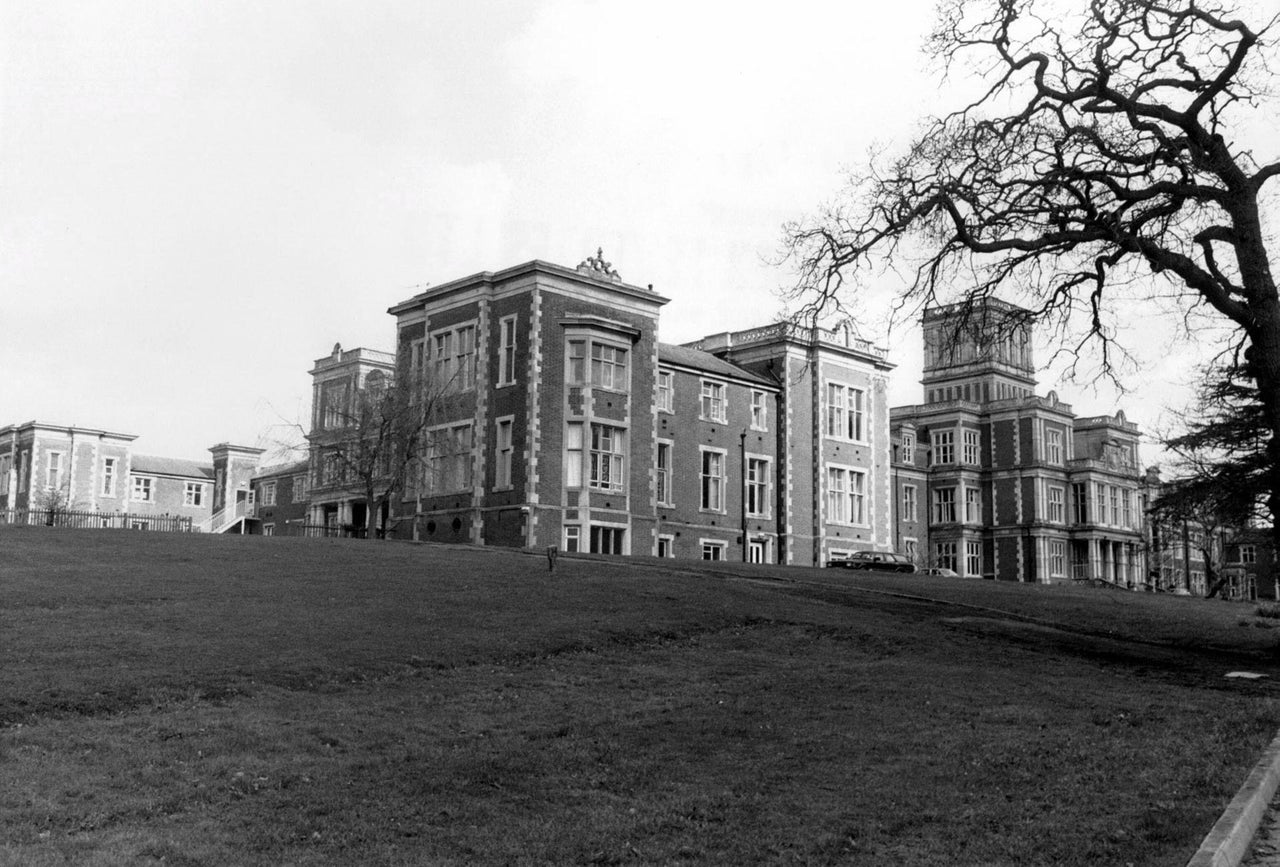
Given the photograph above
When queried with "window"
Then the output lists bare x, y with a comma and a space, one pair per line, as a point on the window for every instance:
713, 401
606, 458
973, 505
449, 456
845, 413
973, 558
1053, 446
970, 446
758, 551
300, 489
465, 357
846, 495
712, 478
1115, 505
417, 359
666, 546
944, 555
1080, 502
759, 411
1100, 490
110, 467
268, 529
606, 540
944, 505
666, 391
507, 350
53, 472
441, 358
24, 461
505, 449
573, 455
577, 356
608, 367
6, 466
1127, 502
712, 550
333, 399
1057, 506
911, 550
572, 539
332, 469
944, 447
909, 503
664, 473
1248, 554
757, 487
908, 448
1057, 559
268, 495
142, 489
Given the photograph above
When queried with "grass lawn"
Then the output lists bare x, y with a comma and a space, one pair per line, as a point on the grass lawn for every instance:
207, 700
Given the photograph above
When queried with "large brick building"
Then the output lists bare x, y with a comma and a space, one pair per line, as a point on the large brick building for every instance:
1003, 483
560, 419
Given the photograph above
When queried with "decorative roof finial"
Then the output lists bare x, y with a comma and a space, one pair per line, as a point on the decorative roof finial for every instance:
596, 266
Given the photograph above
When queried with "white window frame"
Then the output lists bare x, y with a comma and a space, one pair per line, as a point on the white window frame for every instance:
301, 488
572, 538
24, 464
846, 412
504, 452
972, 504
713, 401
971, 445
574, 454
945, 509
575, 360
1248, 554
908, 448
1057, 558
847, 495
944, 447
449, 457
758, 551
910, 503
608, 457
1053, 446
53, 469
268, 497
609, 364
666, 386
718, 547
973, 558
759, 410
761, 487
712, 487
110, 471
1057, 500
143, 489
662, 474
947, 555
668, 542
6, 466
507, 350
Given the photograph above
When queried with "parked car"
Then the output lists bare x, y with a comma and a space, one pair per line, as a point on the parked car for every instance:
948, 573
878, 561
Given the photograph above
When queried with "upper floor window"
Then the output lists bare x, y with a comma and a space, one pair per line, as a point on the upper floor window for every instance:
909, 503
664, 473
143, 490
267, 497
1248, 554
973, 505
505, 452
608, 367
757, 487
24, 461
1080, 502
333, 404
1100, 504
845, 412
449, 457
53, 472
577, 360
713, 480
944, 447
1057, 508
713, 403
944, 505
759, 410
908, 448
970, 445
110, 467
607, 457
6, 466
193, 494
1053, 446
507, 350
666, 391
300, 489
453, 358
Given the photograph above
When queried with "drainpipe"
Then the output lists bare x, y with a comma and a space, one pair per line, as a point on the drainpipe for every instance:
743, 469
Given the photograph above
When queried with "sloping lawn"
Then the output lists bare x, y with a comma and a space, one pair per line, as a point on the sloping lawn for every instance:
238, 700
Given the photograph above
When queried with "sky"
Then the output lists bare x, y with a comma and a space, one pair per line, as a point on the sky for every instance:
200, 199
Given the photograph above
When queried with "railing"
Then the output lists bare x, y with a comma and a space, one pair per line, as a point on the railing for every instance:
83, 520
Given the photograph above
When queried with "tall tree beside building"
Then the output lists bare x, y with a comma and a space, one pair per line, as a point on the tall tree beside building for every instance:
1101, 161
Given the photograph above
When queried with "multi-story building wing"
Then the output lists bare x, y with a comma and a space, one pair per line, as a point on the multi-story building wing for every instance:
716, 459
546, 422
834, 451
64, 466
1017, 487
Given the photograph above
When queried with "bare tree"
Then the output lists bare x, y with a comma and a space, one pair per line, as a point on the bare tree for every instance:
1100, 161
375, 439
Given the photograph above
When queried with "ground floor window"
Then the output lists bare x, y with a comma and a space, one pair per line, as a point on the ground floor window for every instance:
944, 555
757, 551
666, 546
573, 539
712, 550
1057, 559
606, 540
973, 559
268, 529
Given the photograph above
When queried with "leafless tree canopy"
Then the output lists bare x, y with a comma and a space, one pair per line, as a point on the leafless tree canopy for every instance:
1102, 157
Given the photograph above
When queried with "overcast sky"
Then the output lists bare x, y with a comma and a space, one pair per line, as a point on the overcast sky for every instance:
201, 198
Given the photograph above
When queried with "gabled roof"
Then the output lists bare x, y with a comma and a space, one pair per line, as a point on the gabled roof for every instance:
683, 356
151, 465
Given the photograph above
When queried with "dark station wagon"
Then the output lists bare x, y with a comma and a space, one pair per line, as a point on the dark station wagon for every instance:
877, 561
